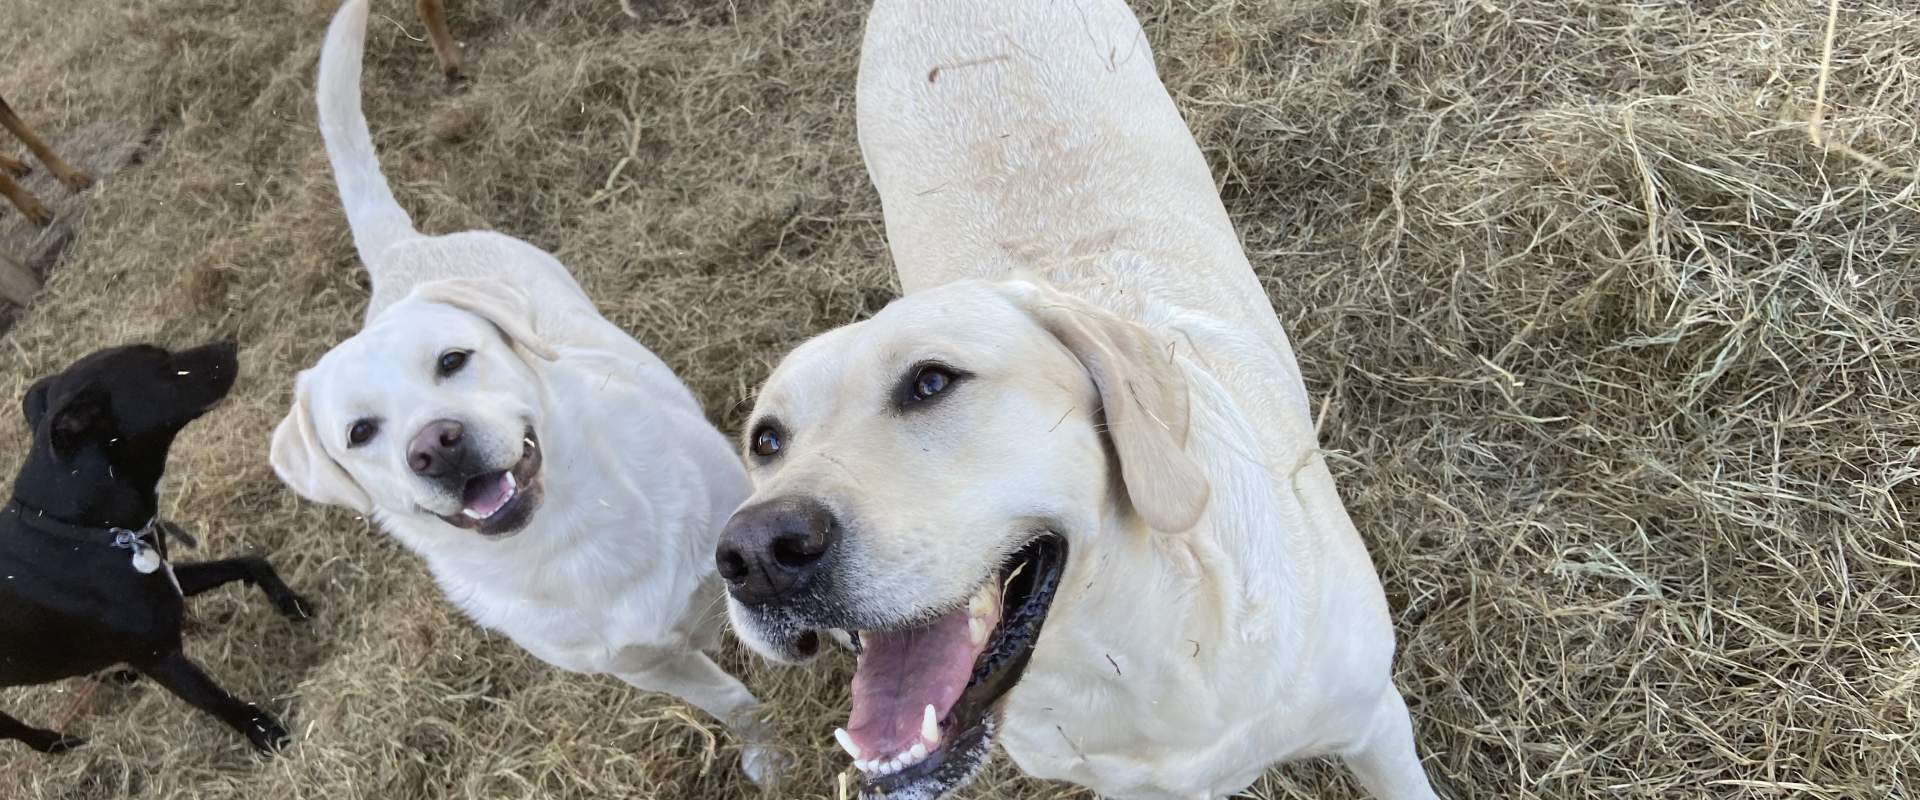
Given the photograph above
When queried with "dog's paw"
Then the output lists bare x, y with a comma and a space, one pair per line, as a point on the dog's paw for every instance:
54, 744
296, 607
266, 734
122, 678
764, 765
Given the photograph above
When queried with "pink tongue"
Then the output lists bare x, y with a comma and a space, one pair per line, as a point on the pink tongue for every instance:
900, 673
486, 495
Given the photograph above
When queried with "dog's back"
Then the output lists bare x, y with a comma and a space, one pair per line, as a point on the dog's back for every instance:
1036, 135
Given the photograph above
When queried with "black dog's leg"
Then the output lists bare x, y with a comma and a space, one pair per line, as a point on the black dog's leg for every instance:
187, 682
197, 578
44, 741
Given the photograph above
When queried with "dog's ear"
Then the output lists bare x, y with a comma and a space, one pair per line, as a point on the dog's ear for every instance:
506, 307
1143, 396
303, 463
34, 404
82, 415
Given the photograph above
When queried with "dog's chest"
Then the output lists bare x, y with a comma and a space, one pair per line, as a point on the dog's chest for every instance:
1131, 718
576, 617
570, 637
80, 601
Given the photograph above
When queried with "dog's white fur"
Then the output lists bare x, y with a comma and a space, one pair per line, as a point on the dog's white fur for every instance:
1059, 236
614, 573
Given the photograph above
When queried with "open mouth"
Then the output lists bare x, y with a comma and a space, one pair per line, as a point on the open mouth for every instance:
923, 696
502, 501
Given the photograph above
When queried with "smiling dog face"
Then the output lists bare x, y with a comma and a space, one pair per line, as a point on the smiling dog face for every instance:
433, 410
919, 479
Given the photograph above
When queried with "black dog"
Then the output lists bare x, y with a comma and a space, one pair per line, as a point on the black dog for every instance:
84, 581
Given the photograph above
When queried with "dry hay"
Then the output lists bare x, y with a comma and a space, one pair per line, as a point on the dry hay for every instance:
1618, 365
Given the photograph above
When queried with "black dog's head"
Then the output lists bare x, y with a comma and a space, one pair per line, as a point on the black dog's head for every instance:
102, 427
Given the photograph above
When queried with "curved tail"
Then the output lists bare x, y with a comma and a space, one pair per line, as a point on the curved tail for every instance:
377, 221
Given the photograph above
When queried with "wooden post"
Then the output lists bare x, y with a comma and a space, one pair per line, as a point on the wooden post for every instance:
24, 200
74, 179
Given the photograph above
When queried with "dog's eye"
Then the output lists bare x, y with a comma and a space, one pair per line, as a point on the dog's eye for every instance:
450, 362
930, 381
362, 430
766, 441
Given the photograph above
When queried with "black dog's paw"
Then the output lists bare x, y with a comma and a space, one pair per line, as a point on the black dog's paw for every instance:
54, 744
122, 678
266, 734
296, 607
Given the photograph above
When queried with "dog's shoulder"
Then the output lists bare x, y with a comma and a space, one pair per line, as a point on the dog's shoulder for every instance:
73, 591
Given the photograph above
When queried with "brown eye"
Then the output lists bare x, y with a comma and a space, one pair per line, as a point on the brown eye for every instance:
361, 431
766, 441
450, 362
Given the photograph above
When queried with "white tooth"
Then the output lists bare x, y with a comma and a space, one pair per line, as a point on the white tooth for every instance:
863, 766
977, 630
511, 483
918, 753
846, 742
895, 765
930, 728
471, 514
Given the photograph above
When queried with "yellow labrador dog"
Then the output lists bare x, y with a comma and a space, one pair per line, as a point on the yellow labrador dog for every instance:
560, 482
1066, 493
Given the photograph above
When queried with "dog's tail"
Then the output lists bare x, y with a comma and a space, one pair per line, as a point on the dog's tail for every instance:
377, 221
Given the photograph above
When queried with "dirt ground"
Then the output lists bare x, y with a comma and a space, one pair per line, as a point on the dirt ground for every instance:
1617, 362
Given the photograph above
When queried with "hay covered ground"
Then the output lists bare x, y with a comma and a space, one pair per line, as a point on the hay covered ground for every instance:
1619, 367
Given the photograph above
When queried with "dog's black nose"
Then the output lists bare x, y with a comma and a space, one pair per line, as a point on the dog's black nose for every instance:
437, 448
773, 549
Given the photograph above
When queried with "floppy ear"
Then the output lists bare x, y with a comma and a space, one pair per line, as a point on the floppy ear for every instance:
74, 418
303, 463
1143, 395
498, 303
34, 404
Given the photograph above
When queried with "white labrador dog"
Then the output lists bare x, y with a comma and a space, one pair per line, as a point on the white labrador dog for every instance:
1067, 490
562, 485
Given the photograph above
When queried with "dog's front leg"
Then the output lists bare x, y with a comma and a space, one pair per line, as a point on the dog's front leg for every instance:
693, 677
45, 741
197, 578
187, 682
1384, 759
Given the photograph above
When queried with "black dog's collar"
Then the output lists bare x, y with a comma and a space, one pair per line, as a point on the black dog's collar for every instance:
148, 544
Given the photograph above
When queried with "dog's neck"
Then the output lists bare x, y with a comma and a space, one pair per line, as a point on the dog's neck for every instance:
96, 485
1219, 605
